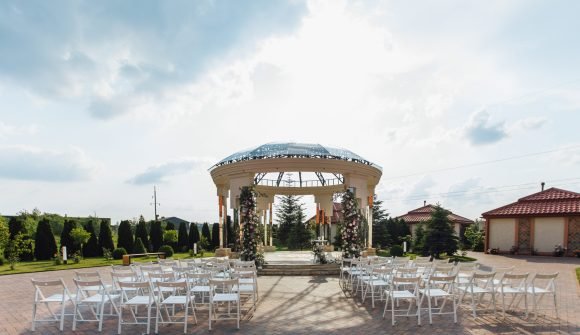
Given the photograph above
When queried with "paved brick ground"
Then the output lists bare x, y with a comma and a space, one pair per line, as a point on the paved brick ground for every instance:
316, 305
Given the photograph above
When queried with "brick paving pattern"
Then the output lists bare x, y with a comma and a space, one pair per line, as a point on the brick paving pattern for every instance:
316, 305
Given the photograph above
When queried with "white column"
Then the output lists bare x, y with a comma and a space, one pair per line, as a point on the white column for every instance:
370, 221
265, 228
221, 219
271, 227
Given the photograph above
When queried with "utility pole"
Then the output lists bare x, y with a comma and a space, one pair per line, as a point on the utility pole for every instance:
155, 203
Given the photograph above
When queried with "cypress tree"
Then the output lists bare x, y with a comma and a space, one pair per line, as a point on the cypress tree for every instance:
169, 225
125, 236
215, 235
182, 238
193, 235
65, 238
105, 237
45, 245
141, 232
230, 237
440, 236
156, 236
381, 235
139, 248
287, 217
205, 233
16, 226
91, 248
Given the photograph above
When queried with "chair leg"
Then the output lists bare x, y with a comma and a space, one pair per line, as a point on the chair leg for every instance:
430, 314
555, 305
34, 317
120, 318
148, 319
62, 315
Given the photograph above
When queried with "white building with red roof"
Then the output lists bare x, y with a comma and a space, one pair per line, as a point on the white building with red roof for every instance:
423, 214
538, 222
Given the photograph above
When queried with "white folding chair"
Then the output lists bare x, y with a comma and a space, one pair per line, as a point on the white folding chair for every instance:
224, 302
395, 294
439, 287
540, 286
48, 292
516, 285
477, 286
94, 295
199, 286
247, 287
92, 275
143, 297
377, 282
180, 296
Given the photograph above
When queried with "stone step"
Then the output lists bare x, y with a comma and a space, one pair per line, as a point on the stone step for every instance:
299, 270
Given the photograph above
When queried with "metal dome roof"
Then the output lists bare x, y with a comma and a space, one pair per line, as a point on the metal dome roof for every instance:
293, 150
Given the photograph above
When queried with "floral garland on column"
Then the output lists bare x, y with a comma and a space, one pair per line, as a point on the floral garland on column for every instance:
351, 247
248, 221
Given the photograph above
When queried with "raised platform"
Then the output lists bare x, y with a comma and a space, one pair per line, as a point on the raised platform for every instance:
299, 269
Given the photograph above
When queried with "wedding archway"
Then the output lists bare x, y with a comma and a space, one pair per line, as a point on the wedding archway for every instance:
335, 170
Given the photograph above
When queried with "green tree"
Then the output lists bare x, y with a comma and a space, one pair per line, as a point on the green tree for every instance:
4, 233
301, 234
45, 245
125, 236
79, 237
215, 235
398, 230
351, 244
193, 235
170, 237
56, 222
16, 226
139, 248
65, 237
205, 233
230, 238
156, 235
381, 237
91, 248
169, 226
105, 237
182, 238
141, 232
286, 215
419, 240
17, 246
475, 237
440, 235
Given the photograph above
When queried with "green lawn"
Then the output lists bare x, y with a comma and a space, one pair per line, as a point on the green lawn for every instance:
578, 274
41, 266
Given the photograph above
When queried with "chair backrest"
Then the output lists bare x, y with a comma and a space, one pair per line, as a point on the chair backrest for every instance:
447, 282
199, 279
86, 287
467, 266
442, 270
123, 276
45, 288
87, 275
423, 259
115, 268
175, 285
143, 287
146, 270
514, 280
482, 279
396, 281
548, 279
161, 277
224, 285
406, 272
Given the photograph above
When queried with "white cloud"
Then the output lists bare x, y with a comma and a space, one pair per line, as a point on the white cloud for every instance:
479, 130
32, 163
11, 130
160, 173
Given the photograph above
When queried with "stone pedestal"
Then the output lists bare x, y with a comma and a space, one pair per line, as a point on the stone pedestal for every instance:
223, 252
371, 251
328, 248
269, 248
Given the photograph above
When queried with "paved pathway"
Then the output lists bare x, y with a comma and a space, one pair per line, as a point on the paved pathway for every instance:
316, 305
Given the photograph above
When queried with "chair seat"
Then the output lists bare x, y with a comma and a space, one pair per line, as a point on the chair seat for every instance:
197, 289
57, 298
138, 300
510, 290
435, 292
538, 290
98, 298
379, 282
175, 299
402, 294
221, 297
244, 288
475, 289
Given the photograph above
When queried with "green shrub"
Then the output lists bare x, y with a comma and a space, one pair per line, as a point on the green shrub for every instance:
118, 253
167, 249
397, 250
139, 247
2, 260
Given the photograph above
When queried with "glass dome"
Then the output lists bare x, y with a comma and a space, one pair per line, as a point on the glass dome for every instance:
293, 150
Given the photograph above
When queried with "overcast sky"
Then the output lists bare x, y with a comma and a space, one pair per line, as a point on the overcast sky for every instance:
467, 103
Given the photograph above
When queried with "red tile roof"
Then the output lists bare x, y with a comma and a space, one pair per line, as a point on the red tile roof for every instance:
423, 214
553, 201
